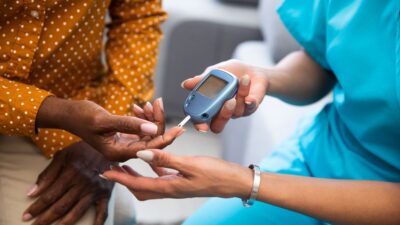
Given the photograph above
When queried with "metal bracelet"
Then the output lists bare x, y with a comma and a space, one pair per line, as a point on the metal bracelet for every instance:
256, 186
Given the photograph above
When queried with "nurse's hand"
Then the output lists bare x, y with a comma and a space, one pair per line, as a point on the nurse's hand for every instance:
252, 89
192, 177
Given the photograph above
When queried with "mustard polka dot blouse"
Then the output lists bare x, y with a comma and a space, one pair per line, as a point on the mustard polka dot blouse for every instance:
55, 47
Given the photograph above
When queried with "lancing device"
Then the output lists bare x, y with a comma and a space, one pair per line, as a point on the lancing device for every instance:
209, 95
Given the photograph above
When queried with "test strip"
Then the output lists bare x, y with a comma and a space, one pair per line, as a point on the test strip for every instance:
184, 121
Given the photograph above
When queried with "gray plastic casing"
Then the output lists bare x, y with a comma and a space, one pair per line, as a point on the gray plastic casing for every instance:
203, 109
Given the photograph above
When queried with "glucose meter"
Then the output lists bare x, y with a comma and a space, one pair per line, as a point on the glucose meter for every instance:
209, 95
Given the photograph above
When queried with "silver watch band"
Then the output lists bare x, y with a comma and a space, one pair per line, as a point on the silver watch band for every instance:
256, 186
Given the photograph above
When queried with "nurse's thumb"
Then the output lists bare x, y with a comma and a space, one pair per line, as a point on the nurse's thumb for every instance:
160, 158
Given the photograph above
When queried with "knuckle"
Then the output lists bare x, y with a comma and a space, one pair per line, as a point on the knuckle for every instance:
40, 222
97, 121
163, 158
47, 199
60, 209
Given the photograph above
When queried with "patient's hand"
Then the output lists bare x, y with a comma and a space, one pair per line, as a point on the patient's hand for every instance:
252, 89
117, 137
69, 186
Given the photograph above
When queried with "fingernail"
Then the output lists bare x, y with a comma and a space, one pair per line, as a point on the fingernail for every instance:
149, 128
246, 80
137, 108
183, 84
149, 105
32, 190
250, 104
145, 155
180, 133
161, 103
103, 177
203, 131
26, 217
123, 169
231, 104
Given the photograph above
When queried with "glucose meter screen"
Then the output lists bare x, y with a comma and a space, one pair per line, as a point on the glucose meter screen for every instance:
212, 86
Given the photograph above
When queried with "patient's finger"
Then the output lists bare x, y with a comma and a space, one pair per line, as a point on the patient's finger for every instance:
148, 111
101, 211
60, 207
166, 139
46, 178
138, 112
158, 115
223, 116
159, 142
50, 195
243, 91
77, 211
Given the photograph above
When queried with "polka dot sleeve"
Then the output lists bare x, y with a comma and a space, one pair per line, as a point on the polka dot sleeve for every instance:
131, 49
19, 104
133, 42
110, 94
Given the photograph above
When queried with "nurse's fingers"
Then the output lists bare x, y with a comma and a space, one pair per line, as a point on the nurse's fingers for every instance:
255, 97
223, 116
202, 127
243, 92
190, 83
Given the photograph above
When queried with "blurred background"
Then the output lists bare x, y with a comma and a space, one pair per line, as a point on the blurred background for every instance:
200, 33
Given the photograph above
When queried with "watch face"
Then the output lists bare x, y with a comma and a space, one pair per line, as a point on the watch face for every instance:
212, 86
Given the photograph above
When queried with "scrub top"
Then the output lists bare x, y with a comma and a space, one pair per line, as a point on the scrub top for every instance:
357, 136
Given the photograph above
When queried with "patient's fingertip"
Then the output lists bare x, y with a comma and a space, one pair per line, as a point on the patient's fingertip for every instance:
180, 132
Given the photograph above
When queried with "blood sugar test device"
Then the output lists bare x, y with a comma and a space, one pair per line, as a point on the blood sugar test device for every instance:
209, 95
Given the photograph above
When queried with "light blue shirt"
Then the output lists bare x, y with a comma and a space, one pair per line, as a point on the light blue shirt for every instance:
358, 135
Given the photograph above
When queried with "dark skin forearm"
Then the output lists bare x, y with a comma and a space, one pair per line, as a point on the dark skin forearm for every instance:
299, 80
51, 112
117, 137
336, 201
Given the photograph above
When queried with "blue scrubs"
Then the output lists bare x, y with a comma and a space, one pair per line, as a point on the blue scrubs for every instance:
357, 136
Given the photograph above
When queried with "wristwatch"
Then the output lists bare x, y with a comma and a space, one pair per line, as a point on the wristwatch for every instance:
256, 186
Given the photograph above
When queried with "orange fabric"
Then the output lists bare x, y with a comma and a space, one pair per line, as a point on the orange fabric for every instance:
55, 47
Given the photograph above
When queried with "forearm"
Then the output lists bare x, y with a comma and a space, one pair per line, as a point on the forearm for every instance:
336, 201
299, 80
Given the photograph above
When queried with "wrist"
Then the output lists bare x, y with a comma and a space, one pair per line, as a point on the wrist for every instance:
53, 113
245, 184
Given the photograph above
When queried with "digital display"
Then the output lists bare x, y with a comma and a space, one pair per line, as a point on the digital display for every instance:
212, 86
